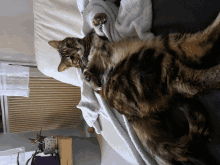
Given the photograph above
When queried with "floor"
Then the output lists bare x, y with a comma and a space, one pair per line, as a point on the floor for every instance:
86, 151
109, 155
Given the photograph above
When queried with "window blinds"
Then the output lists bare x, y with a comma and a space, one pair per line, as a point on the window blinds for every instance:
51, 105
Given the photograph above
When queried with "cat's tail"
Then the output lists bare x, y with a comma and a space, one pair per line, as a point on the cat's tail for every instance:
174, 143
200, 49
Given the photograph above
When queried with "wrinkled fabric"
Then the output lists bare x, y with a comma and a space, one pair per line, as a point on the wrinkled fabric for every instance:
133, 19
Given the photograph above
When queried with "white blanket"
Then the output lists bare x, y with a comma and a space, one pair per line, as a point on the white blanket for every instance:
133, 19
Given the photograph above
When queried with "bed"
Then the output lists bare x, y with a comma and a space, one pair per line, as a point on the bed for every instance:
57, 19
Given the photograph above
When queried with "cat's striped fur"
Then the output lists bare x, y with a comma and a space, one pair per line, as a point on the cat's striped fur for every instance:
144, 79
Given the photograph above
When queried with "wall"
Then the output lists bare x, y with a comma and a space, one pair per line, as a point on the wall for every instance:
17, 31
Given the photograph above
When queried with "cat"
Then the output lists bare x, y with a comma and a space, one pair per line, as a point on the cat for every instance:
74, 51
144, 79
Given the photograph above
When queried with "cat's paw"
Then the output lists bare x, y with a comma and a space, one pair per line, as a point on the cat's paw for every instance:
99, 19
92, 80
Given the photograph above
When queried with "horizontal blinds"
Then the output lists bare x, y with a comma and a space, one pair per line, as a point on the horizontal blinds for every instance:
51, 105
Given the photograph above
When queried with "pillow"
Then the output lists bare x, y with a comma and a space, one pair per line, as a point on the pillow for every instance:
55, 20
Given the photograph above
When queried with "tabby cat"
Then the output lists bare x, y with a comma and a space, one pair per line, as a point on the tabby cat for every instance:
145, 80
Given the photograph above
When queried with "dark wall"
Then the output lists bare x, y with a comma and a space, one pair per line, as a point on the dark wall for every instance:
183, 15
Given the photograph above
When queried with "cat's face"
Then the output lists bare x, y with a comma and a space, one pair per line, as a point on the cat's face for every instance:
71, 52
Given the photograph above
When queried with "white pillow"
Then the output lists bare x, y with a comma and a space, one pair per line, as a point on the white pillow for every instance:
55, 20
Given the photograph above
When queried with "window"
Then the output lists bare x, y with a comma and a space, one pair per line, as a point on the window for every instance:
51, 105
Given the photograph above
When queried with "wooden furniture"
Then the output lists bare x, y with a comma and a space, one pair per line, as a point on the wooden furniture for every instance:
65, 150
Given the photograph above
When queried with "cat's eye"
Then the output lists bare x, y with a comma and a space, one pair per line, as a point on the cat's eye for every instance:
68, 45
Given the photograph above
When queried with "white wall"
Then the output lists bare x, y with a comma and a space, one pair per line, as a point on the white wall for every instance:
17, 31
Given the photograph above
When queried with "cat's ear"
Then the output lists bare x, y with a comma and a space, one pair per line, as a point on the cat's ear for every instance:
54, 44
62, 66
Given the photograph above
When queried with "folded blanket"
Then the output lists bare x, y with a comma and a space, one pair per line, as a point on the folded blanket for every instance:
133, 19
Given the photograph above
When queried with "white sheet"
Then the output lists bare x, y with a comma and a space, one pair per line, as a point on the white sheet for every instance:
17, 31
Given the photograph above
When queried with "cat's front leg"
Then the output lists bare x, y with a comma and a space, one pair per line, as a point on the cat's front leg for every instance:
98, 21
92, 80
